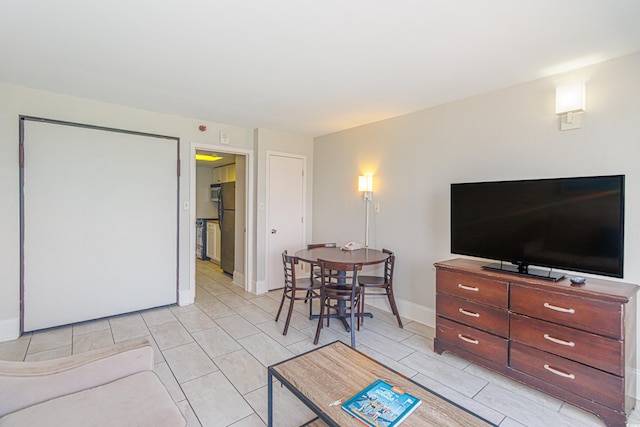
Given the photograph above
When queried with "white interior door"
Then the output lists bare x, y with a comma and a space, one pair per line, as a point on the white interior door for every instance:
100, 223
285, 212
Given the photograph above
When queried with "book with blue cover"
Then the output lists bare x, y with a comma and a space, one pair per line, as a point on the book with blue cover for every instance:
381, 405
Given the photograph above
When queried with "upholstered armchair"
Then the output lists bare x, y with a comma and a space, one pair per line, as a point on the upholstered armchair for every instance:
112, 386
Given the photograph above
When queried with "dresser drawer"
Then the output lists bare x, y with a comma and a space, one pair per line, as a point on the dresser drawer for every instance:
480, 316
572, 376
570, 343
484, 290
604, 318
481, 343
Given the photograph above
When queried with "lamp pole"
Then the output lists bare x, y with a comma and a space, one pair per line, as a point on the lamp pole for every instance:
365, 185
367, 199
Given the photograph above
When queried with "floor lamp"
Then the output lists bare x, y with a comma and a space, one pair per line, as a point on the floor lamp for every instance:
365, 186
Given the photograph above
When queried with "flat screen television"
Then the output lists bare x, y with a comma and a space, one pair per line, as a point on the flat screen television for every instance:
572, 224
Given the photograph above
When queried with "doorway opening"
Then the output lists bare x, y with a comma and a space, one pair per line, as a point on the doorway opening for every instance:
221, 229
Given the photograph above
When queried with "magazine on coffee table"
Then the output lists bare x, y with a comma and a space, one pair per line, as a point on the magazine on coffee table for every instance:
381, 405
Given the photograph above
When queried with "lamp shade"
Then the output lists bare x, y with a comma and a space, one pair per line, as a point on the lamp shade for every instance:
570, 98
365, 183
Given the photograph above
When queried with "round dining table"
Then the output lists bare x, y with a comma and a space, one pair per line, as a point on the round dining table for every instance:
364, 256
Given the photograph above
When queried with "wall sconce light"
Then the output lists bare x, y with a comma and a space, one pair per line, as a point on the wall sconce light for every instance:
365, 186
570, 102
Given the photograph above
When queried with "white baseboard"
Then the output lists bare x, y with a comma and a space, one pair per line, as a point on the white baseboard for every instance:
260, 286
408, 310
238, 278
186, 297
9, 329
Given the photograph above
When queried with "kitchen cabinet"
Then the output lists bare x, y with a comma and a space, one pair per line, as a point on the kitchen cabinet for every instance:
224, 174
213, 241
217, 175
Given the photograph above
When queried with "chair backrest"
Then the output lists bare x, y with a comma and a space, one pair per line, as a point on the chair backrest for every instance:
389, 265
339, 279
321, 245
289, 263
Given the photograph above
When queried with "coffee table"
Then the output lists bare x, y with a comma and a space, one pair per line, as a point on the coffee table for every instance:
334, 372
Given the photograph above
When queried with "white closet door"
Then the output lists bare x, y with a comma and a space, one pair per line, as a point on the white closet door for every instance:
100, 223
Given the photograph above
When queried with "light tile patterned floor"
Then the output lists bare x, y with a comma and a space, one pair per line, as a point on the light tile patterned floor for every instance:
213, 355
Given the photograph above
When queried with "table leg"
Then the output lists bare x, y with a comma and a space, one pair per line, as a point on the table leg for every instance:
341, 317
341, 309
270, 399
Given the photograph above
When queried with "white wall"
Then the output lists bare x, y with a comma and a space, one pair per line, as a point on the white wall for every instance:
19, 100
507, 134
241, 210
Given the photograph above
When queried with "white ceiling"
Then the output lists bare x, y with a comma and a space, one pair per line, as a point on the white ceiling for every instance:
311, 67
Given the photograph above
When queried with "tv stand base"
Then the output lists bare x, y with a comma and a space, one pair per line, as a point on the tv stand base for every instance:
577, 343
526, 271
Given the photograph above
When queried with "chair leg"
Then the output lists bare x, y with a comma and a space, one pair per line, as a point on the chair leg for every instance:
286, 323
320, 319
394, 308
361, 304
284, 293
360, 311
353, 331
309, 293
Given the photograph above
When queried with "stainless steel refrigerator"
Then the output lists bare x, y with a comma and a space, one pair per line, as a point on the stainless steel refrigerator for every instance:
227, 220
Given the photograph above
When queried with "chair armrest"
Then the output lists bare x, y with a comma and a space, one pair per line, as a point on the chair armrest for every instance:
24, 384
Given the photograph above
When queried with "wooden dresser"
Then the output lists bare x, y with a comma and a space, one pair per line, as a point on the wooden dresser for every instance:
575, 342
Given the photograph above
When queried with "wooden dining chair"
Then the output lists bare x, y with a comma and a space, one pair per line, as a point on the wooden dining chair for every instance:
296, 289
381, 285
315, 268
340, 284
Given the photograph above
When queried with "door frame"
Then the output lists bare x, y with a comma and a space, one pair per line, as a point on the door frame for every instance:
269, 154
189, 296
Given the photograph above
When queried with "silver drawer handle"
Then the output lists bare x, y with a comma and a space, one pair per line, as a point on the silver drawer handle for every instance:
469, 340
558, 341
468, 288
468, 313
560, 373
556, 308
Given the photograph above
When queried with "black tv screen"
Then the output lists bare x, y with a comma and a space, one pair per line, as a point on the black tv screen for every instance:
565, 223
